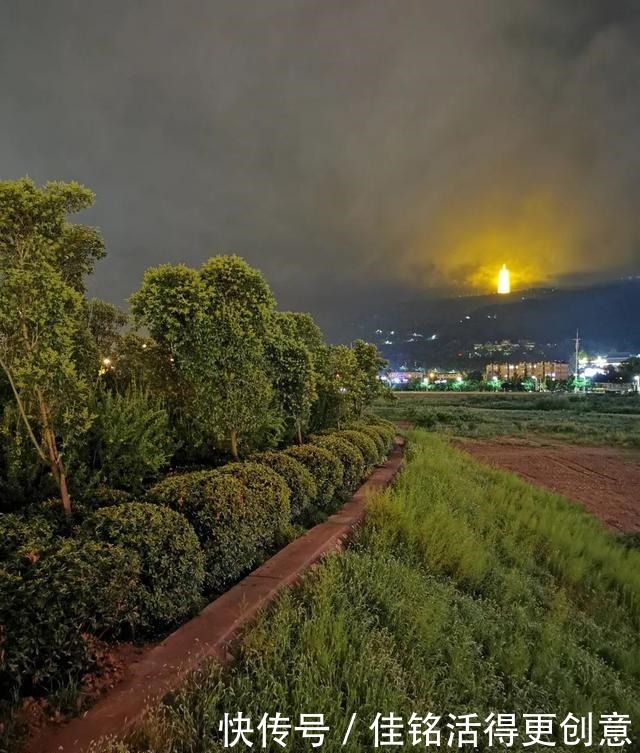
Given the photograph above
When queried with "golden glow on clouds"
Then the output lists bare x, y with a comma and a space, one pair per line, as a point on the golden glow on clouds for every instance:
542, 238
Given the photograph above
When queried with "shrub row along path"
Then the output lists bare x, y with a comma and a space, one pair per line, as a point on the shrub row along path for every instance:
605, 480
161, 668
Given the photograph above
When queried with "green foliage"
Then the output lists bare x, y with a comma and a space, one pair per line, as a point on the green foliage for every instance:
326, 469
171, 561
43, 259
293, 375
145, 365
382, 435
370, 364
214, 323
52, 606
105, 323
23, 476
391, 428
300, 482
50, 512
99, 338
340, 386
104, 496
375, 436
350, 456
363, 442
580, 419
130, 439
24, 539
466, 589
269, 493
228, 520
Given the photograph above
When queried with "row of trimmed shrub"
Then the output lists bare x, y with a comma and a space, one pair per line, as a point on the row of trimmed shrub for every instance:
139, 568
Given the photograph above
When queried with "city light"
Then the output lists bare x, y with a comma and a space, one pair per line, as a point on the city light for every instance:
504, 281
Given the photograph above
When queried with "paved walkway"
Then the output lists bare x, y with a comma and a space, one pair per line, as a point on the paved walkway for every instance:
163, 667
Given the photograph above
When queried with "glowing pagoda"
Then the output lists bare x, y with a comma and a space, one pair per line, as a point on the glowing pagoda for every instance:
504, 281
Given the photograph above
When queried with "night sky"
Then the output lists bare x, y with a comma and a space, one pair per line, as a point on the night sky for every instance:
349, 148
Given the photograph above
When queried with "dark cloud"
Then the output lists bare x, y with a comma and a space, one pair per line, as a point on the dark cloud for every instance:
340, 146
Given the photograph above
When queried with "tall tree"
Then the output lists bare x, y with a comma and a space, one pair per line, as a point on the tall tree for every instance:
43, 259
215, 323
292, 372
370, 363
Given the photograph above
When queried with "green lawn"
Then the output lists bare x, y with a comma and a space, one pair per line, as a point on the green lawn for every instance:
466, 591
591, 419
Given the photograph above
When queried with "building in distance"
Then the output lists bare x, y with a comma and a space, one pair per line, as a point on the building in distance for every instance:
540, 370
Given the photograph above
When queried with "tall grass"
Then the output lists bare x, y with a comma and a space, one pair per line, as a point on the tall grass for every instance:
466, 590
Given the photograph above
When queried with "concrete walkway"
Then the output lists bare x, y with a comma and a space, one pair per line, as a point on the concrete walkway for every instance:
163, 667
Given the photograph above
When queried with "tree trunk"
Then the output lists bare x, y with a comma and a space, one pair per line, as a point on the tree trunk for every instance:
54, 458
299, 430
234, 444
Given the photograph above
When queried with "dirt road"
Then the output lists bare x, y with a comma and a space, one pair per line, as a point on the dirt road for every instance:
605, 480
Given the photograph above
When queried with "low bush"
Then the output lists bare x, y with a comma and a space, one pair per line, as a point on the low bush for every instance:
130, 439
51, 610
376, 436
300, 482
379, 421
23, 540
105, 496
270, 493
324, 466
349, 455
364, 443
386, 428
171, 561
227, 519
52, 512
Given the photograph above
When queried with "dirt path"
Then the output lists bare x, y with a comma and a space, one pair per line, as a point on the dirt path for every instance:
605, 480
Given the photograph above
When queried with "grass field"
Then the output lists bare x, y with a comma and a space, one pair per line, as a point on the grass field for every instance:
591, 419
466, 591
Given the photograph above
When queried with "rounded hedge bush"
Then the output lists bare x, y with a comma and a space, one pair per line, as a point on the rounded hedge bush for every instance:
324, 466
171, 561
104, 496
301, 484
271, 496
226, 517
51, 610
363, 442
373, 418
23, 540
376, 436
349, 455
53, 513
388, 428
385, 433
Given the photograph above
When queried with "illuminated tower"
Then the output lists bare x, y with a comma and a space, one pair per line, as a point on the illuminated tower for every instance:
504, 282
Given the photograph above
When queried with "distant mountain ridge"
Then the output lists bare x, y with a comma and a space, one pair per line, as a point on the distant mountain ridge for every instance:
607, 316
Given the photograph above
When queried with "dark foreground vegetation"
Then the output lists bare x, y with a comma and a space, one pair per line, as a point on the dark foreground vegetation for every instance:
466, 591
147, 462
580, 419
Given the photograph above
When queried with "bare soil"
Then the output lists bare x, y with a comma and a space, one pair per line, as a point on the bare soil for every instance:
605, 480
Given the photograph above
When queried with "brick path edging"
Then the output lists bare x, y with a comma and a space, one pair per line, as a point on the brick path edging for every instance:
163, 667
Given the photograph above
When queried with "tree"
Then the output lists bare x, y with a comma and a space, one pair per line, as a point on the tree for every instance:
370, 363
342, 386
214, 322
105, 323
43, 259
292, 373
630, 368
